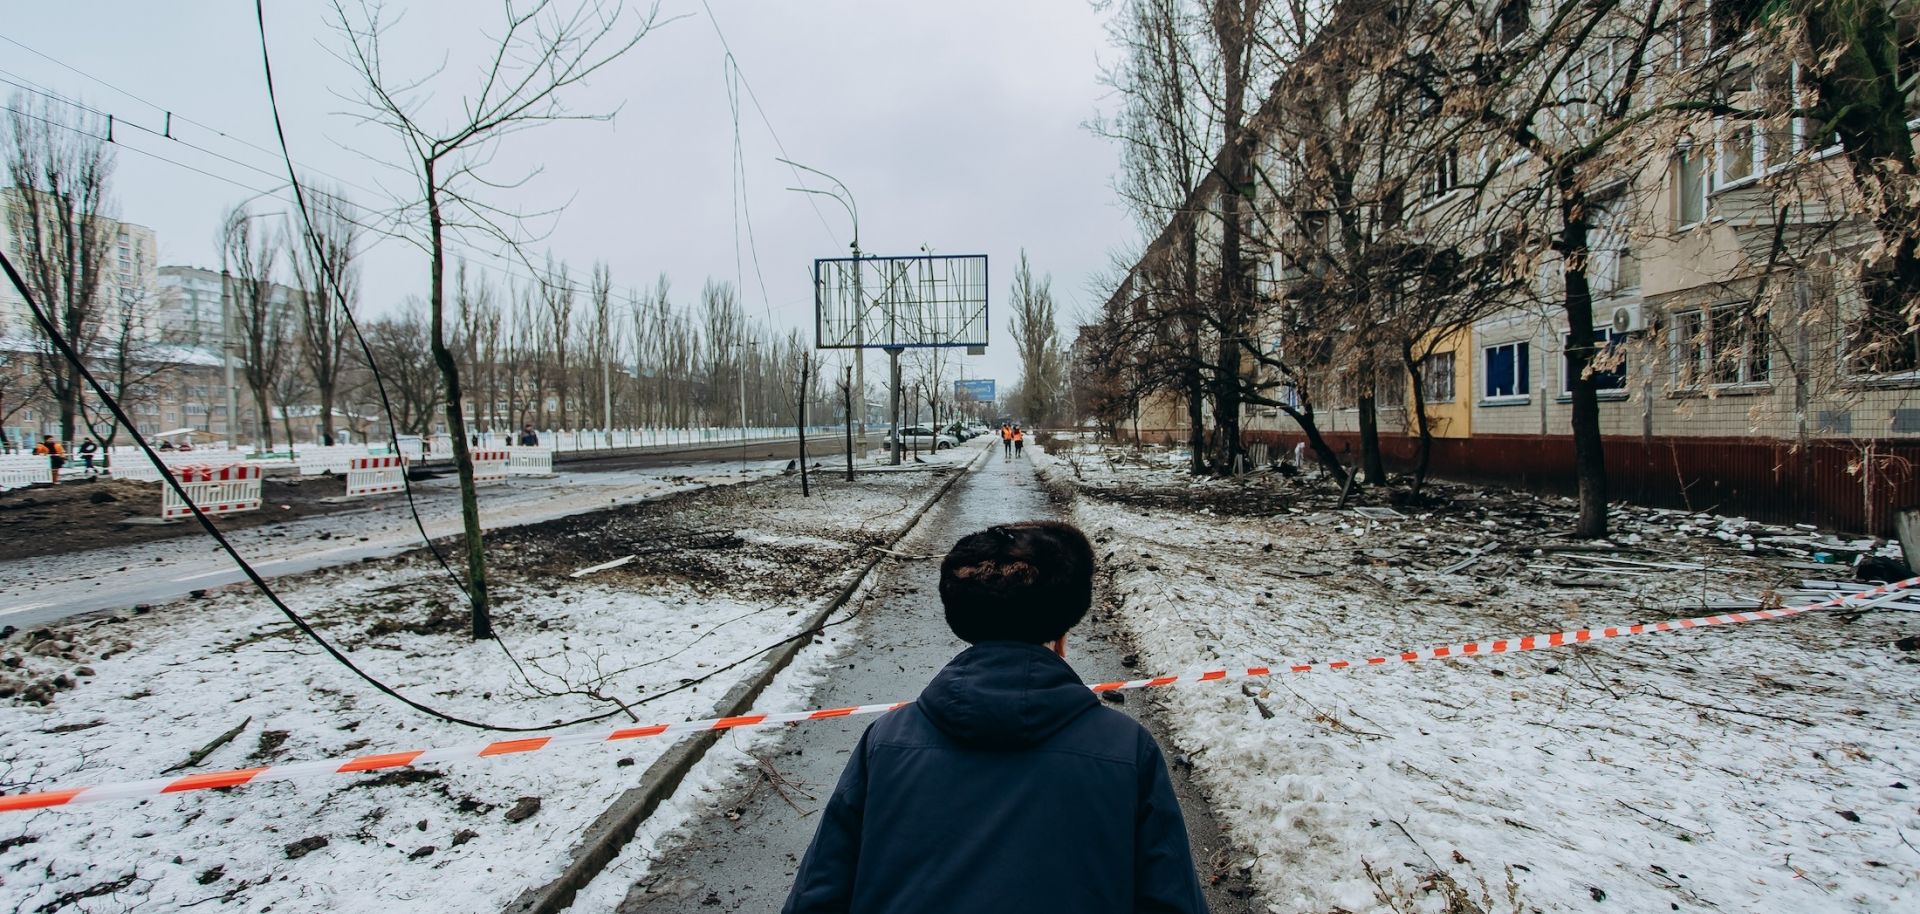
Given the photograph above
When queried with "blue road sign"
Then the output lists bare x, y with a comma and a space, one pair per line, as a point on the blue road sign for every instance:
979, 391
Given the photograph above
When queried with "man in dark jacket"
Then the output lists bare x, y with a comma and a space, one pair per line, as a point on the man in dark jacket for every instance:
1007, 786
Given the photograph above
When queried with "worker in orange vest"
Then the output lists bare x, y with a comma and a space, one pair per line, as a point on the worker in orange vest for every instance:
1006, 440
55, 454
1019, 440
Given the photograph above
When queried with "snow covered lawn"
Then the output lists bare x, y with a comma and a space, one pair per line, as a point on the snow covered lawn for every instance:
1763, 767
717, 575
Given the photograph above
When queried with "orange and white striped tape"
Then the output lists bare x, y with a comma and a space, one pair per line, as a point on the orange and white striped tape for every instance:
416, 757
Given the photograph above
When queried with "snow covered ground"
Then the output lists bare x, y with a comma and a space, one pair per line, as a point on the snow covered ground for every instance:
1764, 767
718, 575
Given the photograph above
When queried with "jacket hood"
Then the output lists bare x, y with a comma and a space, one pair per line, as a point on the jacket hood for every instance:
1005, 695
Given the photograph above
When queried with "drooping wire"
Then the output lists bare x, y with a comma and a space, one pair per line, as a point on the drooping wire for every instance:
332, 278
67, 352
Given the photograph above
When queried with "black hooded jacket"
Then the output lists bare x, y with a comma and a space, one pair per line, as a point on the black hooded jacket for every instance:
1005, 787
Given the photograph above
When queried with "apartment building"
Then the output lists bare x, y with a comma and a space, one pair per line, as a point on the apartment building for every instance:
1739, 368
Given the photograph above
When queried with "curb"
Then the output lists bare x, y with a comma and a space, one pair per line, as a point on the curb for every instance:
610, 832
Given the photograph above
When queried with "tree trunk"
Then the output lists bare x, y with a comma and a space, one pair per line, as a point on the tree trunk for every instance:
1589, 457
263, 420
69, 395
456, 421
1322, 451
326, 411
1423, 453
1370, 459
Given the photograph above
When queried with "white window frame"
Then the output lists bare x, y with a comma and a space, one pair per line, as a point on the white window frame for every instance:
1756, 130
1522, 380
1608, 340
1696, 360
1431, 375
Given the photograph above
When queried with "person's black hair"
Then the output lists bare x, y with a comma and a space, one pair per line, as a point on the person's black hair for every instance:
1029, 582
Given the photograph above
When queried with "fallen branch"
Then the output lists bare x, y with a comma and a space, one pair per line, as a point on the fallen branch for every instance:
201, 754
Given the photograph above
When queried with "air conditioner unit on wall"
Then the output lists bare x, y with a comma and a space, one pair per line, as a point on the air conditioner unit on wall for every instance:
1629, 319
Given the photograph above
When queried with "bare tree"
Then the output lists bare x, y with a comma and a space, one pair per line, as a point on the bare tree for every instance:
323, 269
402, 356
262, 316
539, 51
133, 359
58, 213
1036, 337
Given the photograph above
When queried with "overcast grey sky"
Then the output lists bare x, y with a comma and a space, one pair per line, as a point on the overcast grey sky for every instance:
957, 125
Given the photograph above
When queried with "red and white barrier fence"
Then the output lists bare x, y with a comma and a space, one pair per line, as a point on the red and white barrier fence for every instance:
216, 490
489, 465
47, 799
376, 475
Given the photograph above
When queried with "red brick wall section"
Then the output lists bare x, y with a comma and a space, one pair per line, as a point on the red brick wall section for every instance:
1839, 484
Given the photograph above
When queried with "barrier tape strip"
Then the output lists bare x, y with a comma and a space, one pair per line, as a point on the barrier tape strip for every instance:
239, 777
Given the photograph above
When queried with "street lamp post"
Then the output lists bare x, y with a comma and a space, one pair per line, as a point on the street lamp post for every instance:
852, 207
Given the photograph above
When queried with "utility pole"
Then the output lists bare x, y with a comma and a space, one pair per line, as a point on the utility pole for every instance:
846, 392
226, 348
893, 373
805, 492
741, 373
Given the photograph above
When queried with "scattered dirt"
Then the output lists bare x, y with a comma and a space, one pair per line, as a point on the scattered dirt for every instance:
83, 513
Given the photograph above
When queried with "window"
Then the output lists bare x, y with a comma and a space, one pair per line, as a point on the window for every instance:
1739, 143
1610, 264
1511, 21
1440, 173
1726, 344
1508, 367
1689, 188
1436, 377
1609, 365
1879, 338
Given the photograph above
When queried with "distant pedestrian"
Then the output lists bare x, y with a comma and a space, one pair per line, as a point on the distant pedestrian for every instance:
528, 438
87, 451
55, 454
1008, 785
1006, 439
1019, 441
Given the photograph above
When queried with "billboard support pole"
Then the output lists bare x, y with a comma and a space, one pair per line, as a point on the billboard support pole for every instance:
893, 372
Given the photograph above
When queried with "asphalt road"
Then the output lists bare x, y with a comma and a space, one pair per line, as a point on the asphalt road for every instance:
742, 854
48, 589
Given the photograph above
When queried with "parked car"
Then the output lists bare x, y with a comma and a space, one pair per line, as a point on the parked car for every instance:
912, 436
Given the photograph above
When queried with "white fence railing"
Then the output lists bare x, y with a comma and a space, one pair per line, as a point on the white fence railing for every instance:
22, 470
128, 462
529, 461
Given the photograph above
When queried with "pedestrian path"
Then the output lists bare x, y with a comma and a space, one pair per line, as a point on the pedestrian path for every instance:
744, 860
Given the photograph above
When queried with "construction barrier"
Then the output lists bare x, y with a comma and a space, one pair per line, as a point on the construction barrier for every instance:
376, 475
489, 465
134, 464
216, 490
530, 461
408, 758
22, 470
335, 459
